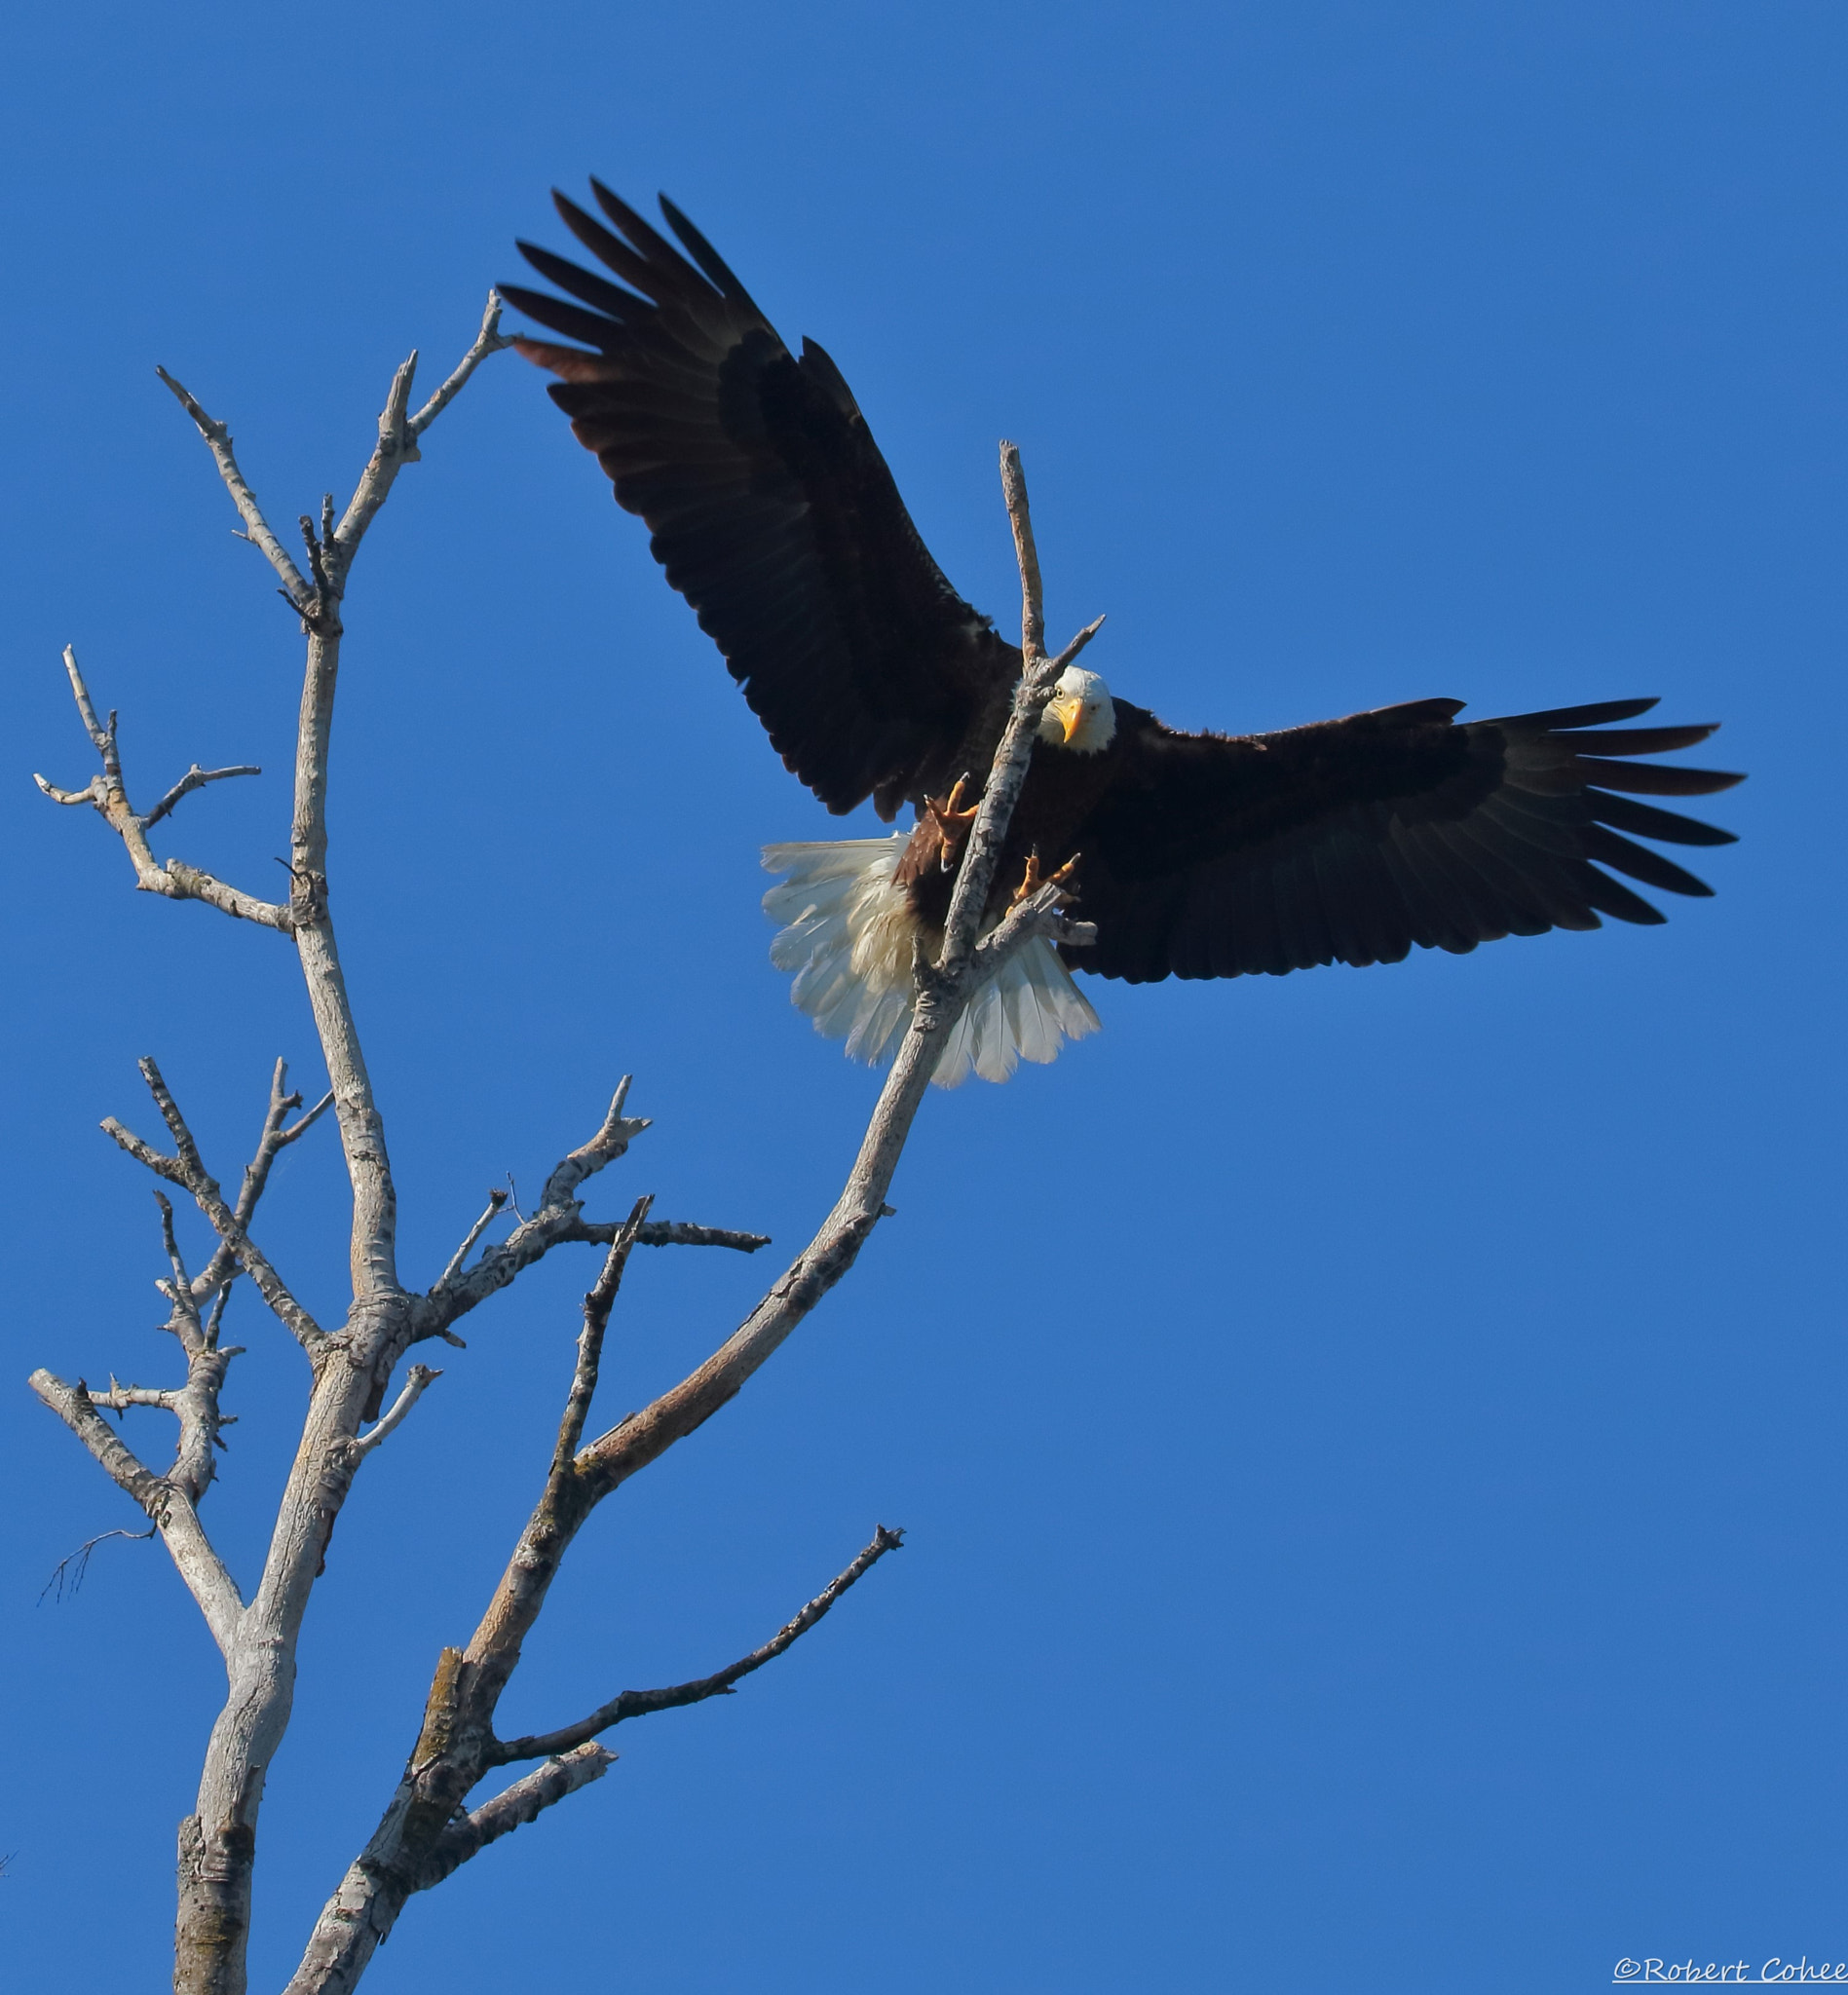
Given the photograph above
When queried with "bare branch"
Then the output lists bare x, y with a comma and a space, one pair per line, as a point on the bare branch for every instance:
398, 433
276, 1137
182, 1300
91, 793
108, 795
195, 1403
496, 1199
672, 1233
308, 1121
119, 1462
67, 1575
395, 448
513, 1808
416, 1379
635, 1704
456, 1291
256, 528
195, 778
169, 1508
182, 1136
101, 739
597, 1306
489, 340
1033, 615
120, 1398
178, 880
188, 1171
604, 1147
1039, 913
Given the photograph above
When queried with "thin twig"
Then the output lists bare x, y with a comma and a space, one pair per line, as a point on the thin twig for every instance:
77, 1563
489, 340
597, 1306
256, 528
496, 1199
277, 1134
416, 1379
635, 1704
195, 778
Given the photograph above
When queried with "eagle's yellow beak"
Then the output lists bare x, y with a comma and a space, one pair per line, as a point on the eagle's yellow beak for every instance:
1069, 712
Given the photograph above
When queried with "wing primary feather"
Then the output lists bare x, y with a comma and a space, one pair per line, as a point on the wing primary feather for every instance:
706, 257
629, 264
1651, 868
584, 284
1652, 780
1611, 897
1598, 715
653, 245
1639, 740
573, 321
1647, 821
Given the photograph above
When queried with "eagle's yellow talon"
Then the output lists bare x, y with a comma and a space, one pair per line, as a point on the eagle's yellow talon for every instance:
952, 822
1032, 879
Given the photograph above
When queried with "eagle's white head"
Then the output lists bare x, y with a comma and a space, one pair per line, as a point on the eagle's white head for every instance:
1080, 715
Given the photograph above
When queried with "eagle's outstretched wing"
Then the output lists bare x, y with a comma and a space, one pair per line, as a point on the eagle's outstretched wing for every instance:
1350, 841
771, 510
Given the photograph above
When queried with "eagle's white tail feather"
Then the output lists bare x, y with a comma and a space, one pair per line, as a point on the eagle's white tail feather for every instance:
846, 934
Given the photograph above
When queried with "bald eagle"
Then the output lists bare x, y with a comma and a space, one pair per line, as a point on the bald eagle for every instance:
1195, 855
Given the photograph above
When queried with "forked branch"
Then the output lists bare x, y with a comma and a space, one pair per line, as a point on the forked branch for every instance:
559, 1217
187, 1170
399, 431
276, 1136
168, 1507
107, 793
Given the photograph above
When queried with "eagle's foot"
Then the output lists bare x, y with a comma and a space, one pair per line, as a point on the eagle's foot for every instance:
1032, 879
952, 821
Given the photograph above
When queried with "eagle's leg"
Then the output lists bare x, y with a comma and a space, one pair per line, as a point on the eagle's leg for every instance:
1032, 879
952, 822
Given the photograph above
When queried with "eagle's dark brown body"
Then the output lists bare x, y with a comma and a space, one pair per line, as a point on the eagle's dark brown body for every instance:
1203, 855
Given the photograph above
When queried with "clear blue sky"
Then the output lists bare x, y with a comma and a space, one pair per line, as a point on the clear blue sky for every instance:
1370, 1441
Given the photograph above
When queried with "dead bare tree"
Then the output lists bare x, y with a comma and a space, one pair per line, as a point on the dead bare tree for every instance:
427, 1828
